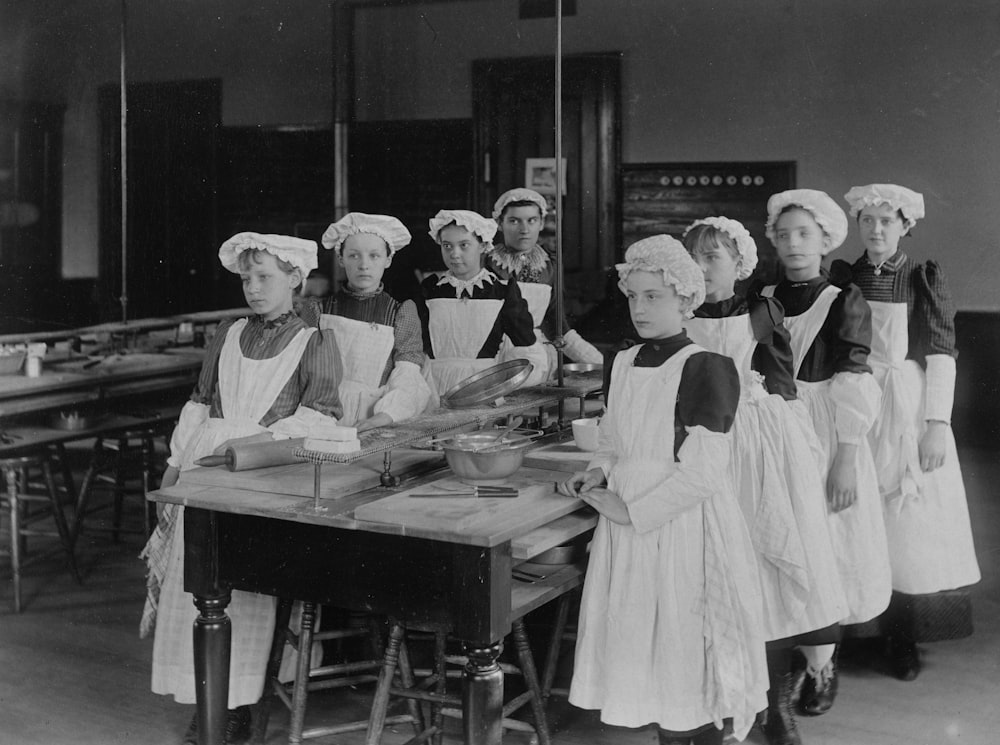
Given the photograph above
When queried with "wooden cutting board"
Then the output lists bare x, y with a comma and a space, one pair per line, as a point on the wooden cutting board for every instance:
536, 504
560, 456
338, 479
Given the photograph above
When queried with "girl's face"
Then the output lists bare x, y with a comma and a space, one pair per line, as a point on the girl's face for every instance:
461, 251
800, 243
364, 257
521, 226
881, 228
720, 268
267, 289
655, 307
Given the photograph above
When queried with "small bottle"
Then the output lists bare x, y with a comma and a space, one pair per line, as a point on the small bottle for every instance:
33, 367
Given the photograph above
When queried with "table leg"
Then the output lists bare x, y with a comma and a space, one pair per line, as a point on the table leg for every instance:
212, 636
482, 695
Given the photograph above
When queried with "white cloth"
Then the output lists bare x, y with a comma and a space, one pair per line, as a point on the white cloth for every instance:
819, 204
298, 252
670, 628
781, 491
926, 515
842, 409
192, 416
939, 391
907, 201
247, 388
366, 349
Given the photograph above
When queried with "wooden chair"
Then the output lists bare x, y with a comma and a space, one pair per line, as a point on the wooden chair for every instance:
121, 465
18, 500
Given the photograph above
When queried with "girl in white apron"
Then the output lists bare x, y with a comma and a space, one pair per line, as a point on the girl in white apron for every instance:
670, 625
521, 216
775, 448
469, 311
379, 338
913, 358
830, 327
264, 376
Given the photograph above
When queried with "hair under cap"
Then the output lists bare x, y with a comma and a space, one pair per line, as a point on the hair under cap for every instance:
386, 227
298, 252
907, 201
483, 227
745, 243
520, 195
819, 204
663, 254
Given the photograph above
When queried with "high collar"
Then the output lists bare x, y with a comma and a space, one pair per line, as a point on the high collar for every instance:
889, 266
732, 306
276, 322
345, 289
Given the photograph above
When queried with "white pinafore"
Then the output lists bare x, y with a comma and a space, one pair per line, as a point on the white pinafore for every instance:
538, 295
857, 533
365, 350
247, 389
458, 329
926, 515
781, 492
670, 629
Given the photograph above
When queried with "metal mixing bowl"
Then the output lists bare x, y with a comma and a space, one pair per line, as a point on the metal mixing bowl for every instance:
489, 465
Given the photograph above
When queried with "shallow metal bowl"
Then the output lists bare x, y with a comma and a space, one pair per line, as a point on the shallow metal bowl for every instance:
575, 368
487, 386
497, 462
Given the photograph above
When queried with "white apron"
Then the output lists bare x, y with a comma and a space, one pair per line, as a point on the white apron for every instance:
857, 533
781, 492
247, 389
926, 515
458, 329
670, 628
365, 349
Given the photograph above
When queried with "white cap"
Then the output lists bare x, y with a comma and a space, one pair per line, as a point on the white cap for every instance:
819, 204
298, 252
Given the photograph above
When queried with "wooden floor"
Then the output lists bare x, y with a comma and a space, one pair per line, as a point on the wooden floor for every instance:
74, 671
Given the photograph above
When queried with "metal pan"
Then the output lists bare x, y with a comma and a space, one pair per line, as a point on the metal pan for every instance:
488, 385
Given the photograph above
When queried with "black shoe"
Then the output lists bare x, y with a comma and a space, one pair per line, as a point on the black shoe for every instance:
818, 694
237, 727
904, 660
779, 726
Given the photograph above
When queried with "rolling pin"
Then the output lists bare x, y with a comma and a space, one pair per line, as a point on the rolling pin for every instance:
245, 457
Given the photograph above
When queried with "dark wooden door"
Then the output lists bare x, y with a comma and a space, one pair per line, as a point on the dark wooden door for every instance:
514, 119
173, 240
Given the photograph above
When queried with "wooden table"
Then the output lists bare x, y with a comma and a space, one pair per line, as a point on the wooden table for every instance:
280, 544
69, 384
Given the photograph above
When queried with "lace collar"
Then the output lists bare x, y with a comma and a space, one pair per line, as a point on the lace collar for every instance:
514, 262
485, 276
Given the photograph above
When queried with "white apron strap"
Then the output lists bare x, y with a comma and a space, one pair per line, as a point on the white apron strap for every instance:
804, 328
537, 295
365, 348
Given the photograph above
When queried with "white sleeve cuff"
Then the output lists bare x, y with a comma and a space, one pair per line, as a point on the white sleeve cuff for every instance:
407, 393
192, 416
939, 390
299, 423
581, 350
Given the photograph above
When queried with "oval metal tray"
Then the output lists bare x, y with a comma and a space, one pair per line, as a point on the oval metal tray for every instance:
488, 385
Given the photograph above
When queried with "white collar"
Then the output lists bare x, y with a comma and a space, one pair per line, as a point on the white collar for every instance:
483, 277
512, 262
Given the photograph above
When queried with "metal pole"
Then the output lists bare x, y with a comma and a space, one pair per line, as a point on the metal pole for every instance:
560, 205
124, 177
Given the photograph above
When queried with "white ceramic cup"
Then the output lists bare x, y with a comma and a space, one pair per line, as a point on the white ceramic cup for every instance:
585, 433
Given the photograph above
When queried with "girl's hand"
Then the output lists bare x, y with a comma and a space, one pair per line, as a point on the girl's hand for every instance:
582, 481
608, 504
378, 420
842, 481
932, 446
248, 440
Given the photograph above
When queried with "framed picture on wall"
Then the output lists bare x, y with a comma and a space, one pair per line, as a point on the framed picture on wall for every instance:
540, 175
667, 197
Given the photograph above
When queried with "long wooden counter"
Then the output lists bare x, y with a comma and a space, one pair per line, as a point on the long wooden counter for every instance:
449, 571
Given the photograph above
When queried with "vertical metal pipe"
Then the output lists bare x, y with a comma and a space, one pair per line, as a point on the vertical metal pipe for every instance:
560, 206
124, 174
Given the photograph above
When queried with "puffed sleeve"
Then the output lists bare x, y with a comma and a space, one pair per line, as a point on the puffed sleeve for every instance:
706, 406
772, 357
198, 407
319, 374
934, 321
849, 327
309, 310
519, 328
407, 393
